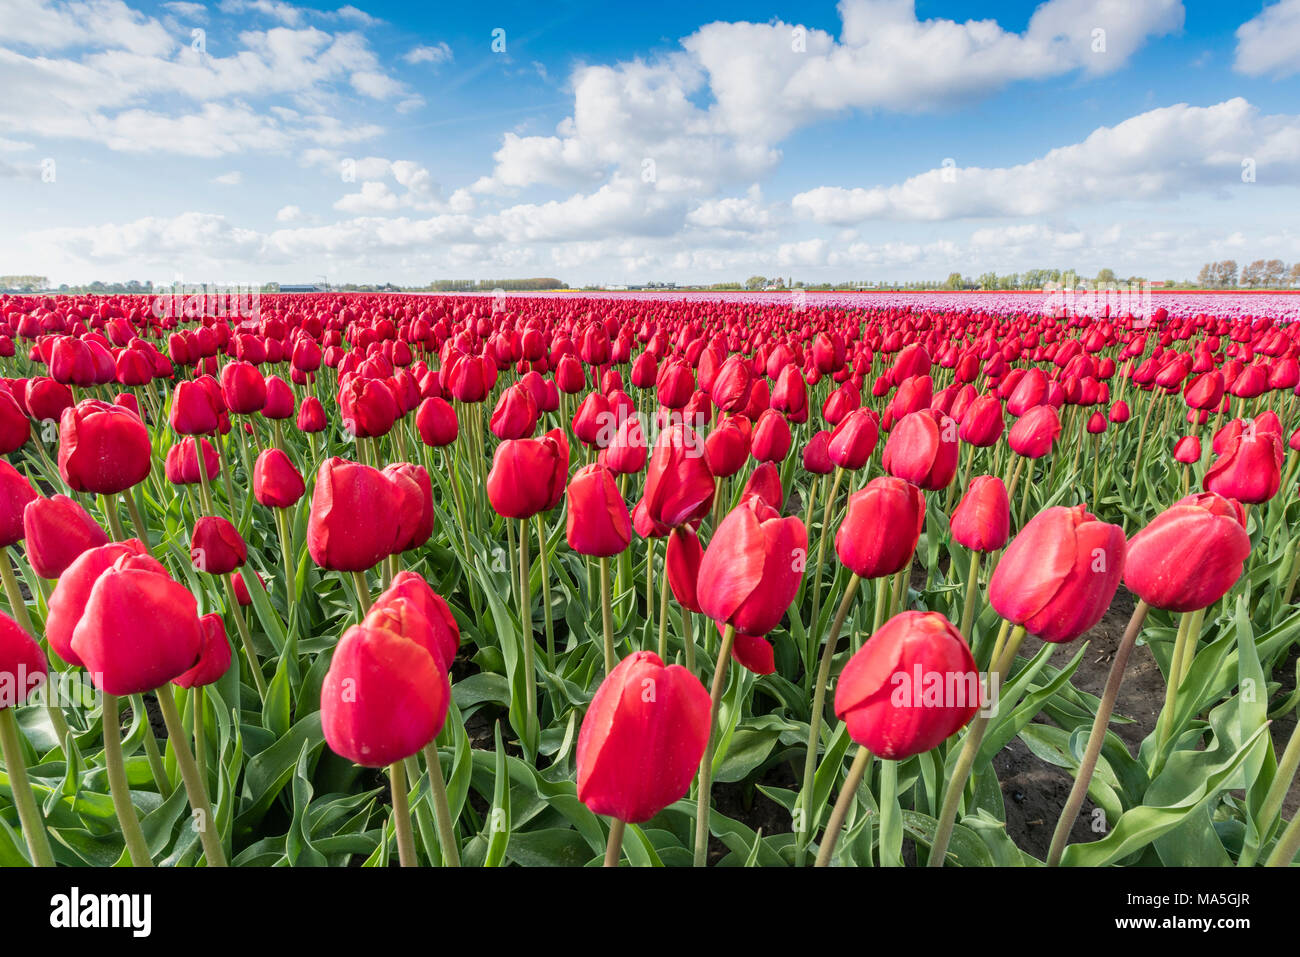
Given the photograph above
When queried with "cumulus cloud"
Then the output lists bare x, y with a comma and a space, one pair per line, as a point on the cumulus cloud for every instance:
1159, 154
233, 178
439, 52
1269, 43
713, 111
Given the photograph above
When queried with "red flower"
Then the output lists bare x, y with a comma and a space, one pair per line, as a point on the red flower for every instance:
751, 570
642, 738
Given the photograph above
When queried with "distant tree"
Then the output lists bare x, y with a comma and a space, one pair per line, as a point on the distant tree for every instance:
1106, 275
1225, 274
1293, 277
954, 281
1253, 274
1274, 273
1206, 276
756, 282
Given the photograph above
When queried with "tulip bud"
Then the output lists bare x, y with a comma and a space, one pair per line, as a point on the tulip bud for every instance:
642, 738
982, 520
881, 527
598, 521
752, 568
910, 687
58, 530
1189, 555
1058, 576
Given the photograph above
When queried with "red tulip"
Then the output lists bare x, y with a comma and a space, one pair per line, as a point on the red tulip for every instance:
982, 425
243, 387
1249, 470
436, 421
923, 450
58, 530
910, 687
15, 494
415, 519
881, 527
765, 482
515, 416
1189, 555
751, 570
642, 738
816, 454
1188, 450
1058, 576
276, 482
413, 610
682, 561
598, 521
192, 412
528, 475
182, 464
102, 448
384, 697
350, 527
22, 664
982, 520
139, 628
1035, 433
214, 655
367, 407
853, 441
216, 546
311, 415
679, 487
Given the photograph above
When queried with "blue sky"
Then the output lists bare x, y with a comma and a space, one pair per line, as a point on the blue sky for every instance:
870, 139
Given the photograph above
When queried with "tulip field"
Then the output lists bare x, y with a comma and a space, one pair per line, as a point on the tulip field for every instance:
368, 580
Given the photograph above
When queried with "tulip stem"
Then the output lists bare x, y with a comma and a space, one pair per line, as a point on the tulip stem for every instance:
1095, 739
1172, 680
966, 760
441, 809
614, 848
137, 521
246, 639
606, 618
200, 743
114, 521
205, 490
706, 766
821, 550
688, 638
526, 634
650, 580
847, 793
663, 617
808, 825
118, 787
401, 815
972, 591
151, 752
290, 585
546, 592
363, 592
20, 786
195, 789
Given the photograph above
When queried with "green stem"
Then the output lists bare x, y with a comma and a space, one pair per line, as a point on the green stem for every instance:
888, 798
1287, 845
606, 619
20, 787
1171, 687
402, 815
137, 521
441, 809
807, 822
195, 789
1095, 739
245, 638
706, 766
118, 788
972, 592
842, 804
966, 760
363, 592
526, 634
151, 752
546, 592
614, 848
663, 617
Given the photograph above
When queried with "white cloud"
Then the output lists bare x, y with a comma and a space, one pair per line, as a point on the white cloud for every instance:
439, 52
286, 13
14, 146
1156, 155
99, 24
762, 81
288, 214
184, 8
233, 178
1269, 43
745, 213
